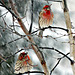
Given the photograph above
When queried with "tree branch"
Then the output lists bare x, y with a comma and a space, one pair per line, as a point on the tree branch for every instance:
29, 37
72, 61
68, 24
29, 72
59, 59
50, 28
31, 17
55, 66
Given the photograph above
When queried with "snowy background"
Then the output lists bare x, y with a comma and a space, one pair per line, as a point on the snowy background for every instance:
60, 43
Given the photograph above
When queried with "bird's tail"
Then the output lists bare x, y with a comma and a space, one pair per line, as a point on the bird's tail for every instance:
41, 33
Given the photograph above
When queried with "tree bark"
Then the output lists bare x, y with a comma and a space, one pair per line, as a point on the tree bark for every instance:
68, 24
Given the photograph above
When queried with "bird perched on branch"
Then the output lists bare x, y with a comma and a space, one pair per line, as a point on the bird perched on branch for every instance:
23, 63
45, 18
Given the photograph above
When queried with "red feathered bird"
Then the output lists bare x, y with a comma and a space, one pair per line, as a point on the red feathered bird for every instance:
23, 63
45, 18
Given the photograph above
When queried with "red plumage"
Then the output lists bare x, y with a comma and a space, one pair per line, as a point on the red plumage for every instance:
23, 63
45, 17
46, 6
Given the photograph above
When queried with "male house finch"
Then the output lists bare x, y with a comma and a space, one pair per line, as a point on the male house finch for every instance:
45, 18
23, 63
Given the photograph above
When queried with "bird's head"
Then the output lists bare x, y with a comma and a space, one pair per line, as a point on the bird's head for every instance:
22, 56
47, 7
47, 11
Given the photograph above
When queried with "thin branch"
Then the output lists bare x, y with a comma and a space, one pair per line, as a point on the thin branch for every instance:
2, 58
63, 56
8, 9
3, 14
10, 56
29, 72
14, 54
22, 36
50, 28
59, 59
31, 17
12, 41
55, 66
72, 61
11, 28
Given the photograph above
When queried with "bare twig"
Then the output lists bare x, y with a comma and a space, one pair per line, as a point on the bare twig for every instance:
50, 28
59, 59
72, 61
31, 17
11, 28
38, 72
55, 66
14, 54
2, 58
8, 9
3, 14
63, 56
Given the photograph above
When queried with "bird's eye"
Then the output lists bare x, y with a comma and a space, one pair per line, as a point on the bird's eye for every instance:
48, 8
45, 8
